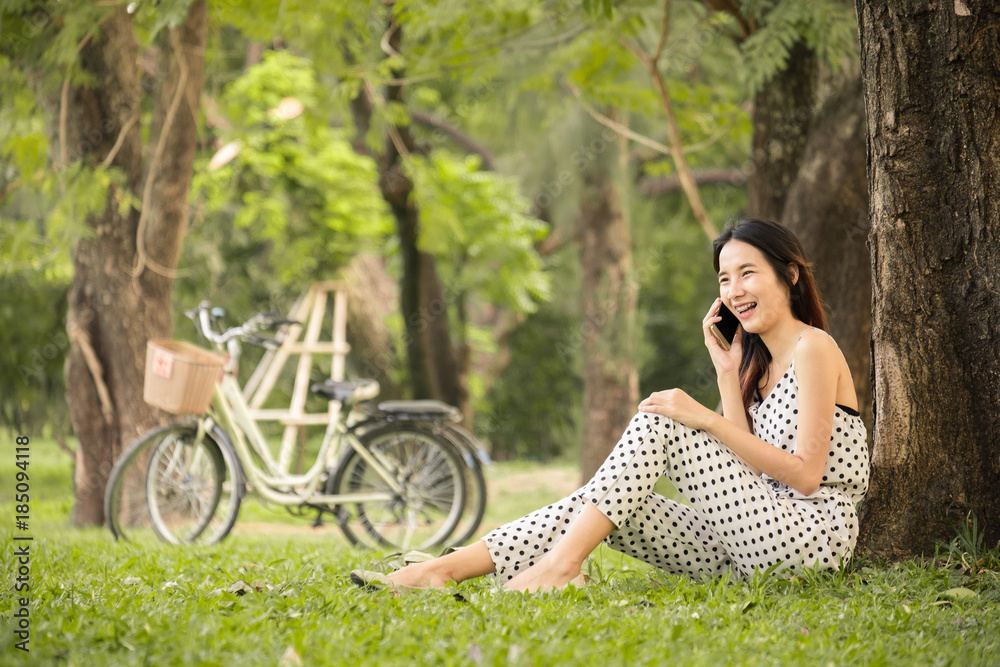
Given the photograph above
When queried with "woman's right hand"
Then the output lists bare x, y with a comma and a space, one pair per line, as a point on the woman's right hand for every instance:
726, 361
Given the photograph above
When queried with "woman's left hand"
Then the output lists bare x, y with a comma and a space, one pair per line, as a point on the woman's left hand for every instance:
676, 404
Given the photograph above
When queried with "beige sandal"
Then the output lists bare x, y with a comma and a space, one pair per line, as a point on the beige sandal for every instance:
376, 581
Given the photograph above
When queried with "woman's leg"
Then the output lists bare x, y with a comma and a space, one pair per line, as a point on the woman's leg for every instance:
563, 562
737, 520
552, 543
618, 488
465, 563
672, 537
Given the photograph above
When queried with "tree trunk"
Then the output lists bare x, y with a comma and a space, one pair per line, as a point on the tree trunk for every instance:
827, 208
430, 356
120, 295
434, 369
611, 383
781, 118
931, 86
371, 295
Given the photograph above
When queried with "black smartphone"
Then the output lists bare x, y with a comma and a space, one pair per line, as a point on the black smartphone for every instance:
725, 329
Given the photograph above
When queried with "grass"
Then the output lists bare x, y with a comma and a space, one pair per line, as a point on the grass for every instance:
283, 599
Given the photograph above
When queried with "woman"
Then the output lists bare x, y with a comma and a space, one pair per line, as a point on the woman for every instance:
773, 479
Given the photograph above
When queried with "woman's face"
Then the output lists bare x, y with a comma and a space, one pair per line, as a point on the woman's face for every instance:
751, 288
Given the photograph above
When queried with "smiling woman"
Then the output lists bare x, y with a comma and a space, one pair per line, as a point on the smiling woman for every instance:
784, 257
771, 483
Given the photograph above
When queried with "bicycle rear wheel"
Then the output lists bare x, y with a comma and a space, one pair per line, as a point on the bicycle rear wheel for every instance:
424, 513
475, 486
175, 485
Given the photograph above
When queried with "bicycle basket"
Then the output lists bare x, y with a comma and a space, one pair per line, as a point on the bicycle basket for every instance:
180, 376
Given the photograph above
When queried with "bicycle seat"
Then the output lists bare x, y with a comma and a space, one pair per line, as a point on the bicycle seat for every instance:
347, 390
421, 410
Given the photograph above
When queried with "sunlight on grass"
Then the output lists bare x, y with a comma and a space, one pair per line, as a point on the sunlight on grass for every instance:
270, 596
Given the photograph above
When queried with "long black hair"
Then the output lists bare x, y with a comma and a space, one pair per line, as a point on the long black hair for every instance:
784, 253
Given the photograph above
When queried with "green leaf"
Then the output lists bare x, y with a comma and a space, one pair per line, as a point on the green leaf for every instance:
959, 593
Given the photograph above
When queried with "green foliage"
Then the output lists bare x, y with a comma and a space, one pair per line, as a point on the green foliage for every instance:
28, 238
45, 35
969, 552
156, 16
475, 224
828, 27
298, 201
532, 411
296, 184
43, 210
33, 349
596, 7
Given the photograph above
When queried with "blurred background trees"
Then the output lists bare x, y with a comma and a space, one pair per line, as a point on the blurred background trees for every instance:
520, 196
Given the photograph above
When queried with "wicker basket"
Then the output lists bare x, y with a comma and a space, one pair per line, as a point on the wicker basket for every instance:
180, 376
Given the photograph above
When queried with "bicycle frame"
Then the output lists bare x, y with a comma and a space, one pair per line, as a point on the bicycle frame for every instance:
229, 409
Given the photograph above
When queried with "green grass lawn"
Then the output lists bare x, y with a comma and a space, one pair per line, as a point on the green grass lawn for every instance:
281, 597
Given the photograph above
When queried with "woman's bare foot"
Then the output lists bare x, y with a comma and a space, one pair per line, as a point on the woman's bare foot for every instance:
545, 575
422, 575
465, 563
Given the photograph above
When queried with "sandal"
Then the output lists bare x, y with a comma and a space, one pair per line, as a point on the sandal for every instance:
376, 581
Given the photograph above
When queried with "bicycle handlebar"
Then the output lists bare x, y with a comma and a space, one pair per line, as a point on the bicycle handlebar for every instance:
202, 318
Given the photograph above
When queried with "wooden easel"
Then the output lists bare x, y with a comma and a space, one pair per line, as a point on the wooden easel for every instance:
310, 309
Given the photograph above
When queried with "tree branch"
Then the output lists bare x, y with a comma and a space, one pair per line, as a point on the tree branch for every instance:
655, 187
554, 241
460, 137
82, 340
61, 441
64, 107
623, 130
120, 140
687, 181
142, 260
732, 8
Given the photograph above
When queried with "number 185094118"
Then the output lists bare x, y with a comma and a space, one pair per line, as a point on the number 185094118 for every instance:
22, 487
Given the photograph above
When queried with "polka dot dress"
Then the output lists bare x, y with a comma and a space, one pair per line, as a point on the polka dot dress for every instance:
734, 522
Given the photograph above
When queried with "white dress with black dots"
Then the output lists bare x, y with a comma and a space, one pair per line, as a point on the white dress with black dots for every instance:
735, 521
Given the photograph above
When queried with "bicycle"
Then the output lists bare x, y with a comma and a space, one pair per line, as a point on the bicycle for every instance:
398, 476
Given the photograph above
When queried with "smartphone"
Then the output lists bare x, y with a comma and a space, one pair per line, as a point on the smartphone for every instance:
725, 329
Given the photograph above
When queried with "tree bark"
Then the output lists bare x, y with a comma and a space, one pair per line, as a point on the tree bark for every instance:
611, 382
116, 302
371, 295
781, 119
931, 86
827, 208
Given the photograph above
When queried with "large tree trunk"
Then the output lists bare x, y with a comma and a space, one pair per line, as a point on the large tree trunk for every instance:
120, 295
827, 208
781, 118
611, 383
931, 86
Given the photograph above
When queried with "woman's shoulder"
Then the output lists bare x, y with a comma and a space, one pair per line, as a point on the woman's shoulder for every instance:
816, 345
819, 362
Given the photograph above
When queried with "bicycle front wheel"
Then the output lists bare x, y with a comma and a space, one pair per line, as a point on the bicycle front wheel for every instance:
176, 485
428, 505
